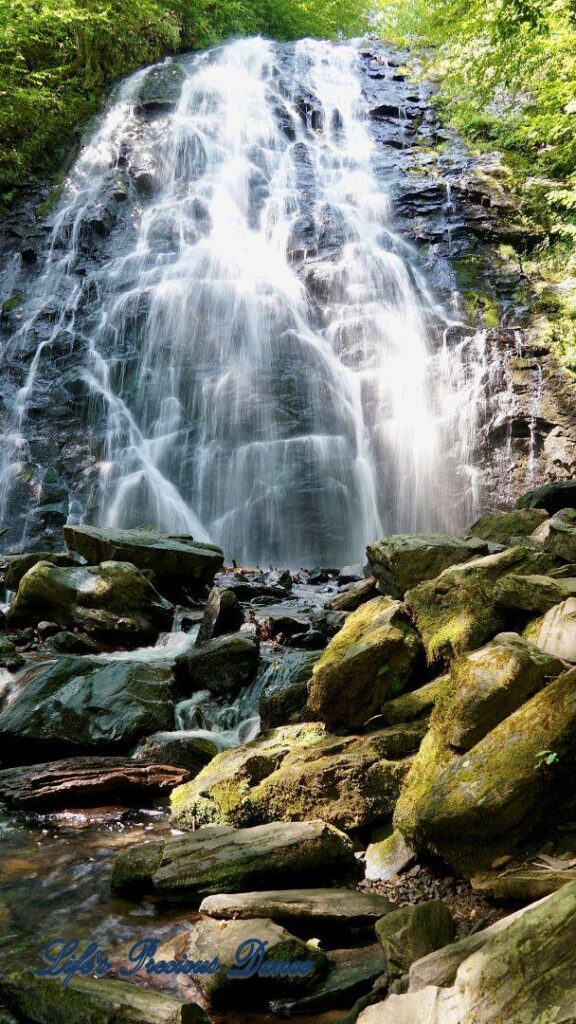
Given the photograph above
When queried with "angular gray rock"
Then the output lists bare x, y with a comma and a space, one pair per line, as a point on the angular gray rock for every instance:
555, 632
351, 973
258, 941
552, 497
388, 857
524, 974
223, 614
177, 748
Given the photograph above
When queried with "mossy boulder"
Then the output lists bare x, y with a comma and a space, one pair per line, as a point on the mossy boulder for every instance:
113, 601
501, 793
403, 560
18, 565
93, 1001
172, 558
456, 612
83, 705
488, 685
370, 660
555, 632
502, 527
300, 772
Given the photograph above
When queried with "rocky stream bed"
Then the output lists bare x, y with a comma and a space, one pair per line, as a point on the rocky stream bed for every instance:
368, 769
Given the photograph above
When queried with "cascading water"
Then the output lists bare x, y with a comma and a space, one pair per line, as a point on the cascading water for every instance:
254, 356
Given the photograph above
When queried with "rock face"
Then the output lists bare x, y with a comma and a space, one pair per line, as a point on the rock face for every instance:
171, 558
83, 705
113, 601
208, 940
214, 860
318, 906
369, 661
502, 527
489, 684
523, 974
457, 612
411, 932
222, 665
81, 781
222, 614
300, 772
499, 794
402, 561
93, 1001
555, 632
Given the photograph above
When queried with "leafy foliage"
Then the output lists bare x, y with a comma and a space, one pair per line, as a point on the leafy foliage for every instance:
508, 73
57, 57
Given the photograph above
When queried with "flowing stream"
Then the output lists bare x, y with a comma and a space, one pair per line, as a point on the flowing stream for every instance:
253, 354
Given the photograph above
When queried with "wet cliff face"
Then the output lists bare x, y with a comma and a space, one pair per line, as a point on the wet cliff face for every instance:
268, 308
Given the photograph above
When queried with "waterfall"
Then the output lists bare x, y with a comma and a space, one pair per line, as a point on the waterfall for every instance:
253, 353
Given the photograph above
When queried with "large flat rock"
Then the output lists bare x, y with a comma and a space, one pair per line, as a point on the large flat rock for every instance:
221, 859
81, 781
325, 906
171, 557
